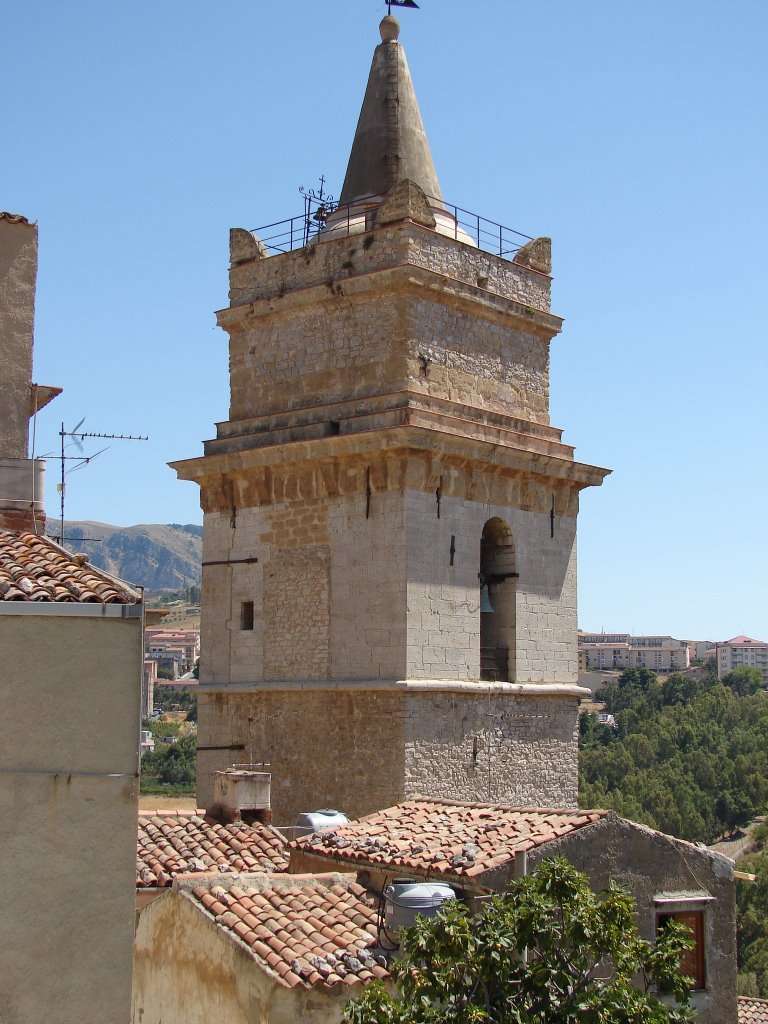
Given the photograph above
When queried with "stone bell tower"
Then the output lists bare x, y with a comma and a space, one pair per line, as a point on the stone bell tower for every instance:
389, 568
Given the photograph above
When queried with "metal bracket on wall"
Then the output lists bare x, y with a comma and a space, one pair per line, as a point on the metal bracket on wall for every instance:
232, 561
230, 746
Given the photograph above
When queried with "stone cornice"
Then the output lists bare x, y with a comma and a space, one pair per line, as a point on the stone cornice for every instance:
476, 454
402, 279
458, 686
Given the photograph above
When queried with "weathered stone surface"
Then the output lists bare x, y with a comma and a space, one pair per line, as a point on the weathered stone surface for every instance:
406, 201
536, 254
361, 749
244, 246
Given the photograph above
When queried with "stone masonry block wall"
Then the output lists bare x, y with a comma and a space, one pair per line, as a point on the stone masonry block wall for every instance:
340, 595
328, 591
341, 258
476, 360
359, 750
296, 612
18, 273
333, 349
326, 748
498, 747
465, 263
546, 598
444, 599
369, 614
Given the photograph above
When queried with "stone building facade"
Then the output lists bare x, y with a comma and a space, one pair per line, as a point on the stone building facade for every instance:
21, 478
388, 453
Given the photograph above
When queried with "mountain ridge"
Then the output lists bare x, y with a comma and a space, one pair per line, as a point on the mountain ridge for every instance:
155, 556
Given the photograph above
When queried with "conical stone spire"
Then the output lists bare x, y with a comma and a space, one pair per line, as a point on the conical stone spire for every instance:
390, 143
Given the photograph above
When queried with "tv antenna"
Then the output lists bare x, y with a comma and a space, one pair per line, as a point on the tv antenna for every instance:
77, 437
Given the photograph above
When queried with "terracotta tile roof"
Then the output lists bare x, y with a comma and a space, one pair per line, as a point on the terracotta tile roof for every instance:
753, 1011
176, 843
441, 837
33, 568
13, 218
316, 931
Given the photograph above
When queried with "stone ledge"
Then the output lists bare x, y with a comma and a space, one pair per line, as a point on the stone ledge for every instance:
403, 686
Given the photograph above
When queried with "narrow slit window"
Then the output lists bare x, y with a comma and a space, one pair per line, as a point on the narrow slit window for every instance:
246, 615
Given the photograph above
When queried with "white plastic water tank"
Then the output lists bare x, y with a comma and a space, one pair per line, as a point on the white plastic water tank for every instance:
314, 821
405, 899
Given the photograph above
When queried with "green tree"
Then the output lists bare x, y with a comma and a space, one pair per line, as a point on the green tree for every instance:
548, 949
744, 680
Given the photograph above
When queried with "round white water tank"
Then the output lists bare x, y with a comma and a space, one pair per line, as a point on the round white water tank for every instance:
406, 899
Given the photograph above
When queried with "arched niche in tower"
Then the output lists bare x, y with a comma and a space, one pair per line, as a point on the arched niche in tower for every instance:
498, 579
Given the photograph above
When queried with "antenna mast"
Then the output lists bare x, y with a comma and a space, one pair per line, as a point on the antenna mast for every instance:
77, 436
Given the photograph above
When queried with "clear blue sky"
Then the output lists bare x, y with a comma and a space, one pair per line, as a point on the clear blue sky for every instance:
632, 133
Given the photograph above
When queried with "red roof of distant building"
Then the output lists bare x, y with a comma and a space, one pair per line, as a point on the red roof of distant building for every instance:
744, 640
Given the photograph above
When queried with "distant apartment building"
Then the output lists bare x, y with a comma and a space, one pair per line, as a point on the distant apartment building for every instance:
700, 650
148, 681
621, 651
742, 651
173, 650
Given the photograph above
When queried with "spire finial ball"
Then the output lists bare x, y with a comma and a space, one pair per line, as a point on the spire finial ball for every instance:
389, 28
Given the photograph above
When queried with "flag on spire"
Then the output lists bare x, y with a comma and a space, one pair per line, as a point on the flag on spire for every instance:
400, 3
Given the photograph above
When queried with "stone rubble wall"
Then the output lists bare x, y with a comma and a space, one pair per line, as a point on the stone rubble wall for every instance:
345, 319
340, 258
358, 750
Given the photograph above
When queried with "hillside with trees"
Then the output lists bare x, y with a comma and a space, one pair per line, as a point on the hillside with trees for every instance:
689, 757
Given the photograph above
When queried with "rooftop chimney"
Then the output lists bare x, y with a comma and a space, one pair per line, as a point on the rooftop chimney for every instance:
241, 794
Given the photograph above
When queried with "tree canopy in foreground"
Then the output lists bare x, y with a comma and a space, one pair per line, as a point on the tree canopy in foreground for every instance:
548, 949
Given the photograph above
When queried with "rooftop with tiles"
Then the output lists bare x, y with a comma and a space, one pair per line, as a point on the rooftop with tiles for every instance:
310, 930
458, 841
33, 568
176, 843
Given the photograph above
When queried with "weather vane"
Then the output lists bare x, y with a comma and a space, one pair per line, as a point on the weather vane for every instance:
400, 3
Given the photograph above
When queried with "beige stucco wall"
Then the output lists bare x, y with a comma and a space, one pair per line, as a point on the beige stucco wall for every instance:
18, 274
186, 971
70, 688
